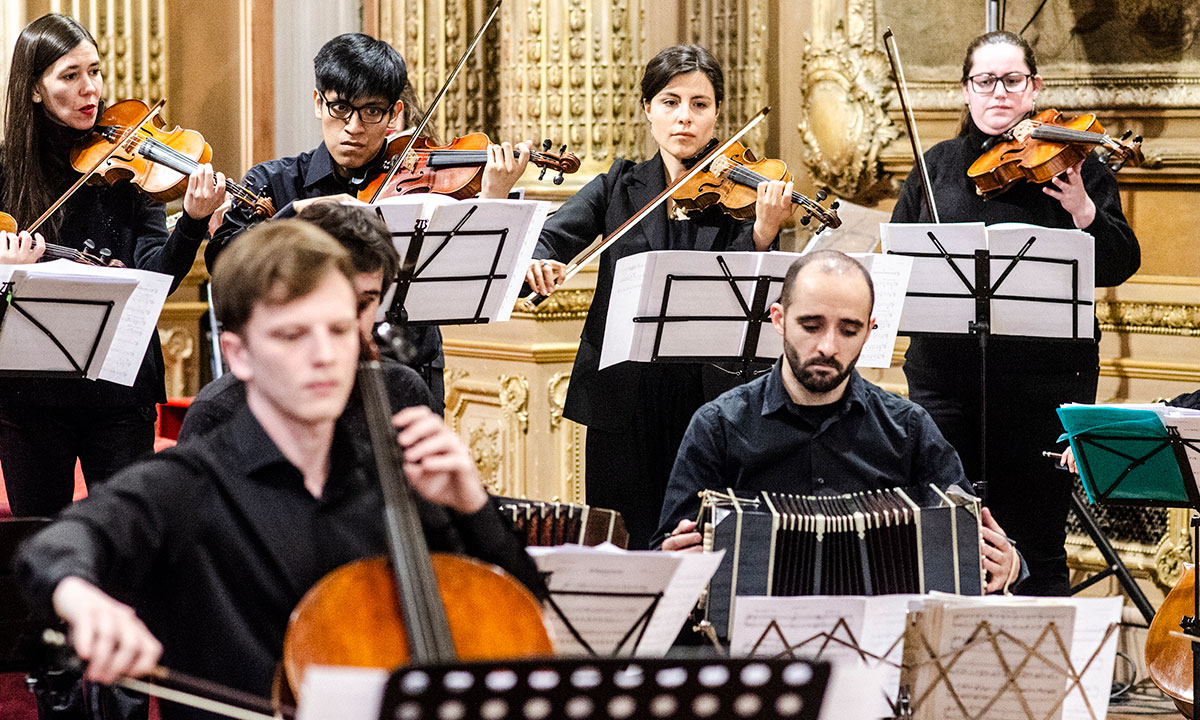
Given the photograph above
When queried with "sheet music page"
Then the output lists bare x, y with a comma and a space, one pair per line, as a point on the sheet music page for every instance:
630, 579
1034, 277
138, 322
976, 678
859, 231
1188, 426
345, 693
480, 270
1093, 616
623, 305
690, 579
890, 275
933, 274
24, 346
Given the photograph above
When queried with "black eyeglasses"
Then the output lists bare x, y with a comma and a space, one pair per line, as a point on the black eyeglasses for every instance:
369, 114
1014, 82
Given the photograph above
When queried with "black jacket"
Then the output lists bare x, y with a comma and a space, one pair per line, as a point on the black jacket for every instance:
605, 398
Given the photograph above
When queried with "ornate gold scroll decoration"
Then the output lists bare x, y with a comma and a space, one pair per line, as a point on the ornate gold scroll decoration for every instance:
514, 399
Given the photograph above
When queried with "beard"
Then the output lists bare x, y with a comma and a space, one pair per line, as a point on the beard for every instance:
807, 372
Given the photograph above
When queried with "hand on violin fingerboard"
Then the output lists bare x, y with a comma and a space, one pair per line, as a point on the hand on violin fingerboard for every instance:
1068, 189
107, 634
22, 248
205, 192
503, 169
772, 208
544, 276
438, 465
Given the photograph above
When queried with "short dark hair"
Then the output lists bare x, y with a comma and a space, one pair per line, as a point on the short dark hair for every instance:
357, 66
362, 232
274, 263
828, 261
681, 60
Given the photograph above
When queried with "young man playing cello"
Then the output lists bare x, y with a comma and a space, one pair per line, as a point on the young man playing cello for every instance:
359, 82
206, 548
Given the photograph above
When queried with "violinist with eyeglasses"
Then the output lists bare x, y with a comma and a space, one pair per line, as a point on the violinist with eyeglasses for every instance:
1027, 379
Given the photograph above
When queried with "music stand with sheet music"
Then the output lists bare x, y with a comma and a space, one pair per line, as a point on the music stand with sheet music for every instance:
705, 307
953, 301
590, 688
462, 262
1131, 456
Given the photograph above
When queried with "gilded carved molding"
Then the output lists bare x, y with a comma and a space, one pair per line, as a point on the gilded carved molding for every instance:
1149, 318
733, 31
557, 390
845, 82
488, 454
514, 400
562, 305
1172, 553
131, 38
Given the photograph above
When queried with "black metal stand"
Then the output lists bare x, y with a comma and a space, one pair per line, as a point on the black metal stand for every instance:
1114, 564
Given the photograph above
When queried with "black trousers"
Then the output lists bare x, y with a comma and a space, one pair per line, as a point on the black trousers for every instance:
1027, 495
39, 446
628, 469
38, 449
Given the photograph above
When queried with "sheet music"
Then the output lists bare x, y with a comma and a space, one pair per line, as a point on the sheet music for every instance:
934, 274
890, 274
618, 588
1093, 617
1043, 280
452, 278
858, 233
138, 322
345, 693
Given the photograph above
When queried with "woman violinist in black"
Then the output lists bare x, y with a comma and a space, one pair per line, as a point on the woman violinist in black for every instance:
1027, 379
54, 99
636, 413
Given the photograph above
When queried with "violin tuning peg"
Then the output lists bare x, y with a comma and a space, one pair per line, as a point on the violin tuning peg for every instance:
89, 245
821, 195
1137, 140
542, 174
105, 253
1125, 135
836, 204
546, 145
562, 149
806, 220
558, 179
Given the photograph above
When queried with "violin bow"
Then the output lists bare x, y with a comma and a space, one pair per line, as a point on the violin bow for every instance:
889, 43
593, 251
84, 178
416, 133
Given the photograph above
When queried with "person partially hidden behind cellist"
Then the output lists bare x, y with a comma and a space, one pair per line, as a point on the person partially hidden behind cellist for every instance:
200, 553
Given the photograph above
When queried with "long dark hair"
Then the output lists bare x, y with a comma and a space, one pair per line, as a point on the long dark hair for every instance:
681, 60
996, 37
29, 179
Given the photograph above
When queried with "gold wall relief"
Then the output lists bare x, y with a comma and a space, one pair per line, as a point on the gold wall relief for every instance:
492, 417
131, 37
514, 399
734, 30
1154, 318
845, 80
557, 391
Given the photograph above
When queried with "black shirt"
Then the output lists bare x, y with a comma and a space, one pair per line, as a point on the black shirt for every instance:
755, 437
222, 398
304, 176
215, 542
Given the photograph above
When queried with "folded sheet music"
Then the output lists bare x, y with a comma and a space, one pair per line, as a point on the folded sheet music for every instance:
473, 257
695, 306
1042, 279
69, 318
609, 601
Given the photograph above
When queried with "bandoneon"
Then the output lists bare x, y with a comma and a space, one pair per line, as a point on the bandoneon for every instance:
555, 523
900, 540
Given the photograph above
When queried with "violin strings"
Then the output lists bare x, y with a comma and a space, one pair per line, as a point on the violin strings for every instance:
236, 189
750, 178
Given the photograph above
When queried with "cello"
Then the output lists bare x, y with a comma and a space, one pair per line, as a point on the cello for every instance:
412, 606
1169, 657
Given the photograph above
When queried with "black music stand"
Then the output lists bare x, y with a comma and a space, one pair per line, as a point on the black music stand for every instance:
1121, 466
583, 689
984, 292
54, 336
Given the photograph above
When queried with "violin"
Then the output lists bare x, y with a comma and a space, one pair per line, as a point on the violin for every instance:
61, 252
1168, 656
410, 606
130, 142
455, 169
1039, 148
730, 183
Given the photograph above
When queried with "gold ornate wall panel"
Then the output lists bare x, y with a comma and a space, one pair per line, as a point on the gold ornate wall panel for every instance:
131, 35
735, 31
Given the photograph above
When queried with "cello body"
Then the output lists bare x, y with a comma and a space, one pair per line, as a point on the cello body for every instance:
1169, 658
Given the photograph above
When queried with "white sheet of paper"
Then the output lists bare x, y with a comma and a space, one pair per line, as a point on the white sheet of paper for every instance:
859, 231
935, 275
341, 693
1042, 280
452, 279
138, 296
604, 620
890, 275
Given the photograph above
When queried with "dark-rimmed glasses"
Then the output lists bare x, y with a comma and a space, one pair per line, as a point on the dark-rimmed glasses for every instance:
1014, 82
341, 110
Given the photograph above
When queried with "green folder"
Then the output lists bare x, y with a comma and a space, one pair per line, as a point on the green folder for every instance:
1127, 455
